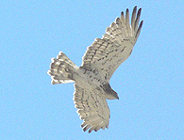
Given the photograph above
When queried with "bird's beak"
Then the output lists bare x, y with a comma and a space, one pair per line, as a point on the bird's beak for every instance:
117, 97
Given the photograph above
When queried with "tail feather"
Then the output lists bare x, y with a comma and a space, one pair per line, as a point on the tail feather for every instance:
61, 69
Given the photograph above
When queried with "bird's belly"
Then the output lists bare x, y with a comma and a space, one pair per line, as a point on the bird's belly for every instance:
86, 78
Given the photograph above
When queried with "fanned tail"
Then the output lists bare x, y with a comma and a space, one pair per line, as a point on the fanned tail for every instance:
61, 69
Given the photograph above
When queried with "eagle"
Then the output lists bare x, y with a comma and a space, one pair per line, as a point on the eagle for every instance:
101, 59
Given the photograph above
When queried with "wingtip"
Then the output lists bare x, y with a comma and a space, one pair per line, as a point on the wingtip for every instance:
135, 8
139, 12
127, 10
141, 23
122, 15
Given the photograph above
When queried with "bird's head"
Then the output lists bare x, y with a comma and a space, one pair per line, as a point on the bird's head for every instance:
110, 93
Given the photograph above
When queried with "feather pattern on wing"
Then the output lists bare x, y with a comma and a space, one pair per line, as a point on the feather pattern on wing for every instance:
92, 108
106, 54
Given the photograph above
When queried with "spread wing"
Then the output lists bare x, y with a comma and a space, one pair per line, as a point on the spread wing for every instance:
105, 55
92, 108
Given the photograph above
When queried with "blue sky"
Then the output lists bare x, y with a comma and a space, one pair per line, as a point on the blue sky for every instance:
150, 83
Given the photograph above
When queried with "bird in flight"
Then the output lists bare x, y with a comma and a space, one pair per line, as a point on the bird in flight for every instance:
99, 62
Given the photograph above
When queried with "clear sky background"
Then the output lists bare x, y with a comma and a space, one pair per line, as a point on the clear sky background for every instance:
150, 83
